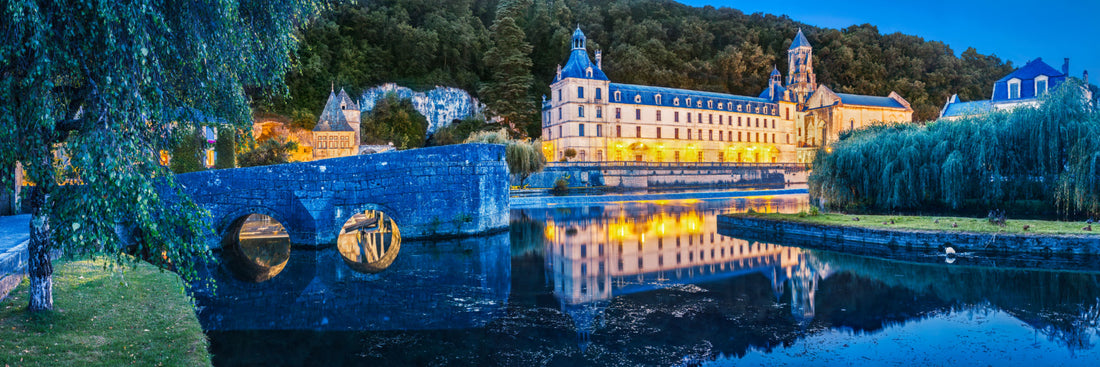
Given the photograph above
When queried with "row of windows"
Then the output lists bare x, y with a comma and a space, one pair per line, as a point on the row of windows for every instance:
1014, 87
740, 107
700, 156
722, 119
744, 136
580, 93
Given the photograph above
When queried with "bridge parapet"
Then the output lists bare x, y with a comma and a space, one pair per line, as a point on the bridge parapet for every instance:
440, 191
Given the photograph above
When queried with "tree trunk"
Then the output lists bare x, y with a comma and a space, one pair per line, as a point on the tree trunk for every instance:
40, 269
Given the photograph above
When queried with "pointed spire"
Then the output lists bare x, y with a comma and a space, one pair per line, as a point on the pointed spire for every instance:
799, 40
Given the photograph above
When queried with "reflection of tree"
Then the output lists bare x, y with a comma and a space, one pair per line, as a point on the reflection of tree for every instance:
1061, 305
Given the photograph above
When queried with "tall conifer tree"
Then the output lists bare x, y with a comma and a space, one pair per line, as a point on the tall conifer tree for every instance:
509, 65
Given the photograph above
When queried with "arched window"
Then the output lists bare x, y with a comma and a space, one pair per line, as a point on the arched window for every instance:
657, 98
637, 98
676, 101
588, 72
1014, 88
618, 96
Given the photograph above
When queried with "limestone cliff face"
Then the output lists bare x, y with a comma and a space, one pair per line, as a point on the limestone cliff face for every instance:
440, 105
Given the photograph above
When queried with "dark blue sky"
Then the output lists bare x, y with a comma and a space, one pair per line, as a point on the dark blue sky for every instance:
1013, 30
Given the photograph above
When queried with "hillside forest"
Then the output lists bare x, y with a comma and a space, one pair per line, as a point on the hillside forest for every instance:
498, 48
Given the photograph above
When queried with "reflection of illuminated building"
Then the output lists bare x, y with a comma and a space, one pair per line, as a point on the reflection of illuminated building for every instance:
620, 252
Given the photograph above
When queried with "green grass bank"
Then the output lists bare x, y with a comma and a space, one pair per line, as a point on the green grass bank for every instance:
104, 317
934, 223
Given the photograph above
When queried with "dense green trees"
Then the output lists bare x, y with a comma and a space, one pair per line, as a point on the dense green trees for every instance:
266, 152
394, 120
507, 91
422, 43
1048, 155
107, 85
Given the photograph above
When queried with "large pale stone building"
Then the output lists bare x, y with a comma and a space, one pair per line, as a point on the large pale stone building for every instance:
605, 121
337, 131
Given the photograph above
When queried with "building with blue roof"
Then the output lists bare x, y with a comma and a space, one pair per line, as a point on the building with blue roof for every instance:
1023, 87
605, 121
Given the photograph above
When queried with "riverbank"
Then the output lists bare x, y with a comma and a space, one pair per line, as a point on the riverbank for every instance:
526, 202
934, 223
869, 235
104, 318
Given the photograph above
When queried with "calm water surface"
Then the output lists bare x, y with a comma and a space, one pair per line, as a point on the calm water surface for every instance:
643, 283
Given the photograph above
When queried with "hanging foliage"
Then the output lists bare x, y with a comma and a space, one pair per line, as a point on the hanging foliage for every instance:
1048, 154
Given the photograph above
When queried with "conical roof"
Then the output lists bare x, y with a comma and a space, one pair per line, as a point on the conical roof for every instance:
799, 40
344, 100
332, 118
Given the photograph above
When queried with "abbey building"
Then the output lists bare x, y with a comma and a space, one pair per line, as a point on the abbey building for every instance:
605, 121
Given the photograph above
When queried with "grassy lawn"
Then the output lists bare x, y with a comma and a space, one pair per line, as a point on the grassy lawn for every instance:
928, 223
104, 318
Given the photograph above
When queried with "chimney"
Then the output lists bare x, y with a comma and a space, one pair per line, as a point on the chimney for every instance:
599, 60
1065, 67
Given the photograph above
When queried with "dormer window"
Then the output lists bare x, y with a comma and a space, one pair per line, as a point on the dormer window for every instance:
688, 101
588, 72
657, 98
637, 98
676, 101
699, 104
618, 96
1041, 85
1014, 88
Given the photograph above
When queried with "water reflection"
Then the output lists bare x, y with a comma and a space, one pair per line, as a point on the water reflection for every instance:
651, 283
258, 249
369, 241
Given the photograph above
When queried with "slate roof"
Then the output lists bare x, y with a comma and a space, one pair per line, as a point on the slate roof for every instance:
669, 95
1031, 70
862, 100
799, 40
958, 109
779, 90
345, 100
332, 118
578, 63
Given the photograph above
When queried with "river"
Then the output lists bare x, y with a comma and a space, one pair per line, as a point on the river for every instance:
643, 283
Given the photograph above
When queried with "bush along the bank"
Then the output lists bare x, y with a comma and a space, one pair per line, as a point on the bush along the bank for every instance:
1048, 155
524, 157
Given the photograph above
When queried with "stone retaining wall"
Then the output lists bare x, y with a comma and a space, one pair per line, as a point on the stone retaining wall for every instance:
883, 241
666, 177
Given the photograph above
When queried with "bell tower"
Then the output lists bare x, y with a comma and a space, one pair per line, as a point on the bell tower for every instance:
801, 79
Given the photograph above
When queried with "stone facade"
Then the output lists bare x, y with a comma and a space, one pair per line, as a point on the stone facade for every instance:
440, 191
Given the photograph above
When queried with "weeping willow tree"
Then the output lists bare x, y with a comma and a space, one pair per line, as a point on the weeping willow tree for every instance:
1048, 154
90, 91
524, 157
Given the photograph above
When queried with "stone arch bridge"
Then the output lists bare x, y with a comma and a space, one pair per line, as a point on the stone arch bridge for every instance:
439, 191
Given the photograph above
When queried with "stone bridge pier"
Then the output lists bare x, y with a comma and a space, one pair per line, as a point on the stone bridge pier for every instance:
453, 190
